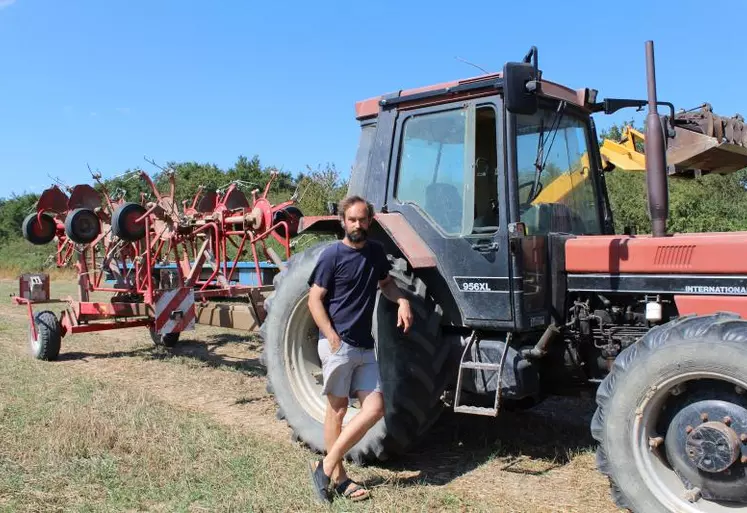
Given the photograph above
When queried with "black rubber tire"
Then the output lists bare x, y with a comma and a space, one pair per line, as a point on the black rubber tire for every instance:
166, 340
291, 215
412, 366
122, 222
693, 343
82, 225
48, 337
39, 233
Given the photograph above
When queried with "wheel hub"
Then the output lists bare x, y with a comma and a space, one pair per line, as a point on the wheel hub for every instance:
713, 446
706, 448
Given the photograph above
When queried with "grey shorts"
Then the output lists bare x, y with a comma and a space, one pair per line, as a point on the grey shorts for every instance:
348, 370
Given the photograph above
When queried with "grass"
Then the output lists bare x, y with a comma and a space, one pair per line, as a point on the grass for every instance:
77, 444
118, 425
12, 272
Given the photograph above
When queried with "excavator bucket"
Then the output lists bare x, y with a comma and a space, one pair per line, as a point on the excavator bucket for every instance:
704, 143
707, 143
691, 153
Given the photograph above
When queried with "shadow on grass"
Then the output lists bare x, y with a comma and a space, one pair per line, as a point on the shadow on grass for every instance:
532, 442
200, 353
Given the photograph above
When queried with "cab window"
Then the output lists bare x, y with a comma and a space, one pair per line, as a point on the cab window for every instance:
447, 167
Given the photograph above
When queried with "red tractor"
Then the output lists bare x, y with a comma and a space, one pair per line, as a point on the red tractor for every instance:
491, 201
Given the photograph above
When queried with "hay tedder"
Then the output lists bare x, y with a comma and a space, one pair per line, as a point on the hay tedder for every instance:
124, 248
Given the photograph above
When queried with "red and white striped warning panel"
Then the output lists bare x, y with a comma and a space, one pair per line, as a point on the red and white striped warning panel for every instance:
175, 310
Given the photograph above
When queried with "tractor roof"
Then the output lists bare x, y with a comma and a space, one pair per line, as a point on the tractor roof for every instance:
459, 89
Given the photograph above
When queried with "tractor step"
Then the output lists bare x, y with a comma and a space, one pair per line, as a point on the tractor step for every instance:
477, 410
481, 366
465, 364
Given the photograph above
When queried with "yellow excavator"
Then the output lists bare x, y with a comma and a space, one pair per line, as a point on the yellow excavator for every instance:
703, 143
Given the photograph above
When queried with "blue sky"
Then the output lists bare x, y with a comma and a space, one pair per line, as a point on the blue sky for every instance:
107, 83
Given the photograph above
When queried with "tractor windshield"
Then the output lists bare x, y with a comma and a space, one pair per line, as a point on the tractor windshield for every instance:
556, 189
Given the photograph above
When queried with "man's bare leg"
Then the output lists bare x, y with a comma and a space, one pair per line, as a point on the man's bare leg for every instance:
372, 409
334, 416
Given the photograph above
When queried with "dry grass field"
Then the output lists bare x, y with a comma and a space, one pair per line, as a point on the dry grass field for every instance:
119, 425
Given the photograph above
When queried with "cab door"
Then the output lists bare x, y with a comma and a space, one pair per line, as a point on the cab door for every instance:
447, 178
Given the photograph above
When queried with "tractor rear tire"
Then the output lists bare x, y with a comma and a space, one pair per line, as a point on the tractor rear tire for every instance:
650, 409
48, 340
413, 366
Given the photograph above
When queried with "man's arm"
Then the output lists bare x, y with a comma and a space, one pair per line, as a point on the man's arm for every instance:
393, 293
390, 289
321, 318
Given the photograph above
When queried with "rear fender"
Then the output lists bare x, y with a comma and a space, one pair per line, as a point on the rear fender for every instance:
395, 226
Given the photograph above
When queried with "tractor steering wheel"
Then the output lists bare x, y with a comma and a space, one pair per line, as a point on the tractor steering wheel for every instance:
524, 185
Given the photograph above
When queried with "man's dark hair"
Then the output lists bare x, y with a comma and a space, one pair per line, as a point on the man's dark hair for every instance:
352, 200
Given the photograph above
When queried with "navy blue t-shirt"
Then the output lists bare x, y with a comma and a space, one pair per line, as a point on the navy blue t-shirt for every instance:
351, 278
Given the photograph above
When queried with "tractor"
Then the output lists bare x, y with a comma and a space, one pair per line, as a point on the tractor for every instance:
491, 202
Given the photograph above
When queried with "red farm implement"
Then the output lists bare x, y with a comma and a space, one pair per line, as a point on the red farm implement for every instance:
162, 264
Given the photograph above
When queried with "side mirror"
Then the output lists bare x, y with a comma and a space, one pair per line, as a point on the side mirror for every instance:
521, 81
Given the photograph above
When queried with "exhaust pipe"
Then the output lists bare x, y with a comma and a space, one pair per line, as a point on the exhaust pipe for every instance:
655, 148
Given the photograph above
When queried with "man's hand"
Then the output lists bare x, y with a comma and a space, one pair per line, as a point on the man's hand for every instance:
404, 315
393, 293
334, 344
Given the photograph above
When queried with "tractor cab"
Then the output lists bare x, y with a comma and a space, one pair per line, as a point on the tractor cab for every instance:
482, 180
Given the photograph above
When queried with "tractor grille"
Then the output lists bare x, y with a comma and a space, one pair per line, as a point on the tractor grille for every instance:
674, 256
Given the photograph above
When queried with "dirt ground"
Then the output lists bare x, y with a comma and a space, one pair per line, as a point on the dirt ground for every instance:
536, 460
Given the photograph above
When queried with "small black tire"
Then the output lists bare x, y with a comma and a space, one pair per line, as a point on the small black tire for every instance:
675, 368
82, 225
48, 340
164, 340
413, 366
124, 223
292, 216
36, 232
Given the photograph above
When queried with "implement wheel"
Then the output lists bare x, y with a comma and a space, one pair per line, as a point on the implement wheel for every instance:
46, 345
124, 222
37, 232
82, 225
672, 418
165, 340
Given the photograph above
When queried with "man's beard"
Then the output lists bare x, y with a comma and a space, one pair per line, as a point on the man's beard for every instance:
358, 235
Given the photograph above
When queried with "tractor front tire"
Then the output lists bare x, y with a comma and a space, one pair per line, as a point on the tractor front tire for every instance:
46, 345
412, 365
670, 417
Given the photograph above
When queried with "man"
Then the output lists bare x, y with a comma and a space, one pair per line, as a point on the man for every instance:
341, 299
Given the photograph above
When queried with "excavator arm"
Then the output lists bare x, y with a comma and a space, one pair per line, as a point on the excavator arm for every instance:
625, 154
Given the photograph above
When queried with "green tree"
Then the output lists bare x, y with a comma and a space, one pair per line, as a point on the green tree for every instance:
704, 204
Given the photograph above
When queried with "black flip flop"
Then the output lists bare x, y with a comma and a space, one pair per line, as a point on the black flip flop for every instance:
320, 481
